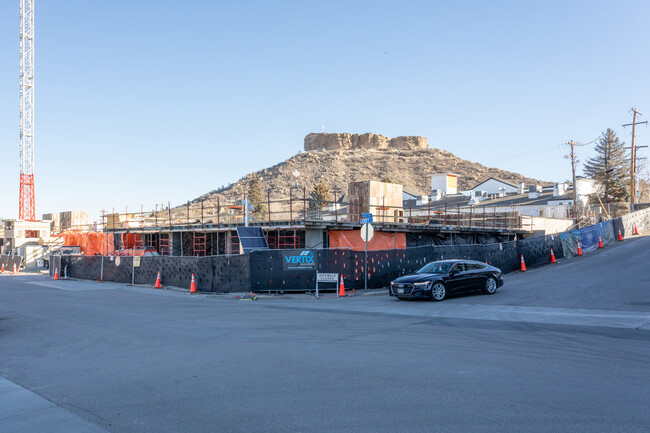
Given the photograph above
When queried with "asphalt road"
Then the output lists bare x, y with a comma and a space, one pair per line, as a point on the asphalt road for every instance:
558, 348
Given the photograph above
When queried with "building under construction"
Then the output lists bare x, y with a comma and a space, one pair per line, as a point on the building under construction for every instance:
302, 222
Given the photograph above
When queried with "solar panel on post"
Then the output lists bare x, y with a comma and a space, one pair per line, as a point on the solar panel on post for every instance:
252, 239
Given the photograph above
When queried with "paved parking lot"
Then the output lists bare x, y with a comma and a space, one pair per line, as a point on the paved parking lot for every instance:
557, 348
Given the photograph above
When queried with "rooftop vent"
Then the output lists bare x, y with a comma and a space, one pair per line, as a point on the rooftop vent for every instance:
534, 191
436, 194
481, 195
559, 189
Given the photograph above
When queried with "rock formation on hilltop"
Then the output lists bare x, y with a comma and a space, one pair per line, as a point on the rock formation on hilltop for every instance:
338, 159
345, 141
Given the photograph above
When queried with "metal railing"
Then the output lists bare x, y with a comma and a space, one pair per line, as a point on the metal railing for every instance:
299, 208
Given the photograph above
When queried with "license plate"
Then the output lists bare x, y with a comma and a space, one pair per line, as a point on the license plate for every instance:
400, 290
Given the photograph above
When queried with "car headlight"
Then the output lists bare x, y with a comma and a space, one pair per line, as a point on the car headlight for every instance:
422, 285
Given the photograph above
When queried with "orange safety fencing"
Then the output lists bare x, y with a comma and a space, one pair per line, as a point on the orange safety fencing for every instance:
380, 241
91, 243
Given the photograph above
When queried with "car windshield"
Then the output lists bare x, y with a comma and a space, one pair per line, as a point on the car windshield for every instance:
435, 268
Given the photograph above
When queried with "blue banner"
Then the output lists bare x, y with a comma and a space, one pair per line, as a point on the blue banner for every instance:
589, 237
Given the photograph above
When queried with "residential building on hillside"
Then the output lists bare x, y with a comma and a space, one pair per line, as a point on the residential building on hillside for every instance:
444, 184
492, 185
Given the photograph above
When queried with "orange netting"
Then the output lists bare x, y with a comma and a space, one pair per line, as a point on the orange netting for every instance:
91, 243
130, 240
380, 241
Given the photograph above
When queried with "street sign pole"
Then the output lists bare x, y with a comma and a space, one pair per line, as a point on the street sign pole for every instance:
365, 267
366, 232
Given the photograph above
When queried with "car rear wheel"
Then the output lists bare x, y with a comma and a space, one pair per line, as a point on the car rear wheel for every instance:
438, 291
490, 287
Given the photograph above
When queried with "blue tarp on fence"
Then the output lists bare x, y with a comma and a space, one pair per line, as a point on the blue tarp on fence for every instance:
588, 238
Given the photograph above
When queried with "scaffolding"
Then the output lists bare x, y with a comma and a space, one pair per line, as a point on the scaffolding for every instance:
233, 245
151, 243
287, 239
198, 245
278, 239
165, 249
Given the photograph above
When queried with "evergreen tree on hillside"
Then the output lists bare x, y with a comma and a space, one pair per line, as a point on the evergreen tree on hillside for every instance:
256, 197
319, 196
609, 168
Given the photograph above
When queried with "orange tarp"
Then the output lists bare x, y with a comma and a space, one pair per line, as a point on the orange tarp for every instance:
130, 240
380, 241
91, 243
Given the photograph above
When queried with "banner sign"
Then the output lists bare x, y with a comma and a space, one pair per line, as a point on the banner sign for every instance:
298, 259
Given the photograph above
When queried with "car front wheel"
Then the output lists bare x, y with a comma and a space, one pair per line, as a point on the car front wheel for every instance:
438, 291
490, 287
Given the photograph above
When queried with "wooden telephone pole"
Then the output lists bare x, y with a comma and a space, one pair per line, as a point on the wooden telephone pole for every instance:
572, 157
633, 157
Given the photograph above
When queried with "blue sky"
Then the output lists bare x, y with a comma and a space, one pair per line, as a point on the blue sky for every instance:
143, 102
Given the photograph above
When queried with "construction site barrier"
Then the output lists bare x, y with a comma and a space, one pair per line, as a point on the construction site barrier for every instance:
267, 273
9, 261
608, 231
587, 237
264, 271
213, 274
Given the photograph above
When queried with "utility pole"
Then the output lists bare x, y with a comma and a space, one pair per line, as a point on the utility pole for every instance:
572, 157
633, 157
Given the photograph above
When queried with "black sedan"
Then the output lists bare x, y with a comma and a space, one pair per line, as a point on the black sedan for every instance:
438, 279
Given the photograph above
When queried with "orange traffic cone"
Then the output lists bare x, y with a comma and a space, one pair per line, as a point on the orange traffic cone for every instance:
158, 286
2, 270
579, 249
15, 269
636, 230
620, 236
600, 242
523, 264
552, 256
193, 285
56, 273
341, 288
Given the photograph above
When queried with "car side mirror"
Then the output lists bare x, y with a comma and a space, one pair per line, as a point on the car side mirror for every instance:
453, 272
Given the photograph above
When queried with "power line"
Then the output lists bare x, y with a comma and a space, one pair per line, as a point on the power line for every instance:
592, 141
519, 154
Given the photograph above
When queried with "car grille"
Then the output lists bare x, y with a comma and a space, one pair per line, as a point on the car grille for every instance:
406, 287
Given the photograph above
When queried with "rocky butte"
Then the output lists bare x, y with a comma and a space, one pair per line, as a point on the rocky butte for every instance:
339, 159
345, 141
